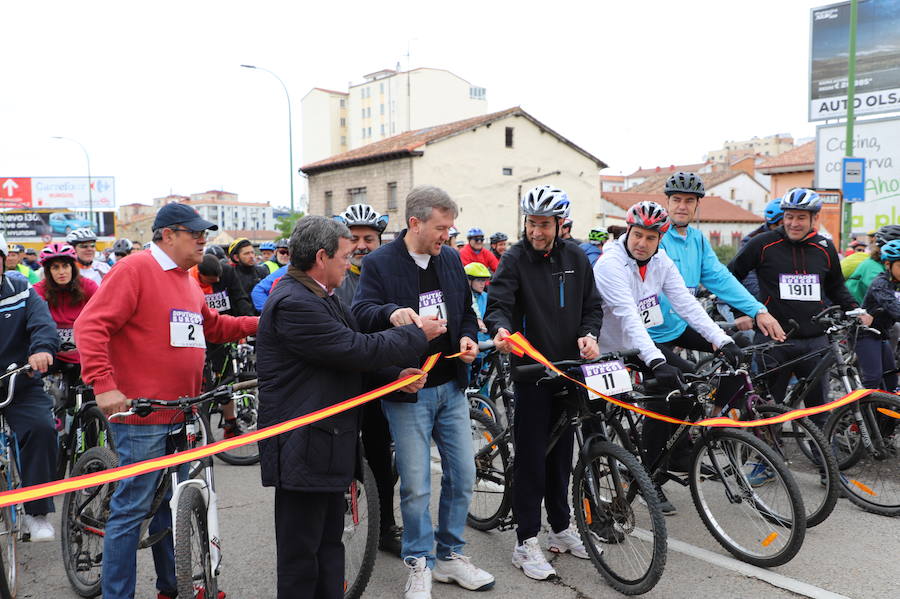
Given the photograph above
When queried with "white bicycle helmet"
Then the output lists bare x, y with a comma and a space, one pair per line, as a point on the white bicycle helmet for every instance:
363, 215
80, 236
801, 199
546, 200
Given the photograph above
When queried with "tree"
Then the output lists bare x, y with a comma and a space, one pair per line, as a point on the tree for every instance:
725, 253
285, 224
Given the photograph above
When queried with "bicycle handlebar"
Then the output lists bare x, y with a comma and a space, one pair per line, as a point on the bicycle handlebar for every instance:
12, 373
143, 406
532, 369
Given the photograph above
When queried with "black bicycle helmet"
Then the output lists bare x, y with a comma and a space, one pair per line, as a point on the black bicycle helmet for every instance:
215, 250
498, 237
887, 233
682, 182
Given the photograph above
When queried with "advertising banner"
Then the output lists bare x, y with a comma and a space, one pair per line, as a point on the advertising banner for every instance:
878, 142
877, 59
34, 225
58, 192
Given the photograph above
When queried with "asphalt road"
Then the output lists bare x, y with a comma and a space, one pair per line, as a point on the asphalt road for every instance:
852, 554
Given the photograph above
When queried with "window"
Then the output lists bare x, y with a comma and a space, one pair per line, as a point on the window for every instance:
363, 131
736, 238
329, 208
507, 170
343, 140
731, 194
477, 93
369, 131
715, 239
509, 137
381, 87
382, 109
343, 122
382, 128
392, 196
343, 103
363, 113
369, 111
356, 195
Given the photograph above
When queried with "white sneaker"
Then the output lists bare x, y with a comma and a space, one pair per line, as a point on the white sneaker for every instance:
530, 559
567, 540
418, 585
462, 571
38, 528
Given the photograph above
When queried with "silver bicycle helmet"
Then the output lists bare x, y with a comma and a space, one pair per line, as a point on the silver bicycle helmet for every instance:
801, 199
546, 200
363, 215
80, 236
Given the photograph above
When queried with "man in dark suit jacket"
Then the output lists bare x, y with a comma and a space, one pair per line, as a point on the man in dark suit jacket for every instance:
310, 355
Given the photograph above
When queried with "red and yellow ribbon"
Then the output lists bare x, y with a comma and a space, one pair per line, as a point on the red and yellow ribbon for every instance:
521, 347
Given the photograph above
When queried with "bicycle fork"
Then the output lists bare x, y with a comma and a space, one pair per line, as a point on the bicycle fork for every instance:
207, 490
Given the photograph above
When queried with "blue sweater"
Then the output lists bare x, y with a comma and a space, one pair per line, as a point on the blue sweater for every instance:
26, 326
698, 264
260, 292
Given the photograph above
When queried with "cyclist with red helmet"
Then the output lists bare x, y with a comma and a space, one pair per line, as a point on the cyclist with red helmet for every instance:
630, 276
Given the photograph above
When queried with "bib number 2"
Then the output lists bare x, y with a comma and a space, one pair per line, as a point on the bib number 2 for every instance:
186, 329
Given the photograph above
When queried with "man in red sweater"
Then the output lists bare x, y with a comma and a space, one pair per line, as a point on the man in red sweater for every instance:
144, 335
474, 250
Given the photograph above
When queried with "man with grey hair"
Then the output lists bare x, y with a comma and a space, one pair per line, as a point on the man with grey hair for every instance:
311, 355
417, 279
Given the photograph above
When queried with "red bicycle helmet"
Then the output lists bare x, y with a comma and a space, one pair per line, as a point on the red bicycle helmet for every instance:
56, 250
648, 215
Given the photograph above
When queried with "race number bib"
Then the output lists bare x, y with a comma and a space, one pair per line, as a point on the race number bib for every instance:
610, 378
66, 336
804, 288
650, 312
218, 301
432, 304
186, 329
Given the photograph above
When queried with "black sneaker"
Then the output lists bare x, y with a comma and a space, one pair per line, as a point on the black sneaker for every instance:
667, 508
391, 539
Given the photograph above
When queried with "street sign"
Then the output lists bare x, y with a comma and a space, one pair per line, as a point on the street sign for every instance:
58, 192
15, 192
853, 179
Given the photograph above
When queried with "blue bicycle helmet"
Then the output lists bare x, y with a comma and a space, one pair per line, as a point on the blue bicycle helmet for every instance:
801, 199
474, 232
890, 252
773, 212
267, 245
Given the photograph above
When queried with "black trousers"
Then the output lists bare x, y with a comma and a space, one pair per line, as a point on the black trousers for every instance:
30, 417
537, 475
778, 381
308, 530
376, 438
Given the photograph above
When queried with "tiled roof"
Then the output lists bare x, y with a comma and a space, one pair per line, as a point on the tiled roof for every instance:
331, 91
613, 178
408, 143
657, 183
801, 158
713, 209
649, 172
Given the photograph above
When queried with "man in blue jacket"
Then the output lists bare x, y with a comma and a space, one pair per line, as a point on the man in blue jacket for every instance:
28, 335
414, 279
699, 265
310, 355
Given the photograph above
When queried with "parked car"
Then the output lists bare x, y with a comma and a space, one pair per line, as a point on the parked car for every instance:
65, 222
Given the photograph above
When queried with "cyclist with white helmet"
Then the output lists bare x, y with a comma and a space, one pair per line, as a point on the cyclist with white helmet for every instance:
798, 271
366, 227
547, 284
474, 250
631, 276
85, 243
499, 241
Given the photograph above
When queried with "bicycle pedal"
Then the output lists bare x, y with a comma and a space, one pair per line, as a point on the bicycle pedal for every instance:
154, 538
506, 524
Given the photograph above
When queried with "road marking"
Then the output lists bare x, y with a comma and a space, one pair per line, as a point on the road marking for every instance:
748, 570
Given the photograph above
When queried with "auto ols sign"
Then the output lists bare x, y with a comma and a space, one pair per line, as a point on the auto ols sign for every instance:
35, 225
877, 59
58, 192
878, 142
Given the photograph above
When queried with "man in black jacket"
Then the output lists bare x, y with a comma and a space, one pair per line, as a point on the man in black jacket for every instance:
242, 259
416, 278
310, 355
797, 270
545, 289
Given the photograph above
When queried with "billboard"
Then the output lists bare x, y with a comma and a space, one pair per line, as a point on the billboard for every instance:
58, 192
34, 225
877, 59
878, 141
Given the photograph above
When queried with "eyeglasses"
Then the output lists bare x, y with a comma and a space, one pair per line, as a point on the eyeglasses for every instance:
284, 252
195, 234
86, 246
478, 239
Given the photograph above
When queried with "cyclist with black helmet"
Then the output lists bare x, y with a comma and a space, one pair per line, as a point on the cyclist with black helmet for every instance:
798, 270
631, 276
474, 250
858, 283
593, 247
563, 317
85, 243
499, 242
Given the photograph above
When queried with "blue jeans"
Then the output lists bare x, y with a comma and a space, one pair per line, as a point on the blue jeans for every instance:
441, 412
129, 507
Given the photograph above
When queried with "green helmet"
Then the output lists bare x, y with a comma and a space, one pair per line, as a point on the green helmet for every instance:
598, 236
477, 270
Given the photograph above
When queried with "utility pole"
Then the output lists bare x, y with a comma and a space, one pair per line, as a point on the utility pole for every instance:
851, 98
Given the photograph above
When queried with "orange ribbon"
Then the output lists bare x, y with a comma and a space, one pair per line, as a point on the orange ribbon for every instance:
521, 347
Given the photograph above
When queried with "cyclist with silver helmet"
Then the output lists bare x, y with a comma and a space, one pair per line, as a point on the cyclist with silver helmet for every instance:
699, 265
876, 354
593, 247
499, 242
563, 316
631, 276
366, 227
85, 243
798, 270
474, 250
121, 248
858, 283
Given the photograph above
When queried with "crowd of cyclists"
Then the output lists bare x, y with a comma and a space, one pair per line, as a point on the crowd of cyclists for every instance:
624, 287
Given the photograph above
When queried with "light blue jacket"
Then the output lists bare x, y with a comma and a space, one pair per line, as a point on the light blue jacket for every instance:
260, 292
698, 264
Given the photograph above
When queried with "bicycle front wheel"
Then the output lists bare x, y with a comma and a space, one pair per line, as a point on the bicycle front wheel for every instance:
8, 554
872, 479
361, 533
747, 498
193, 563
802, 446
246, 411
491, 495
626, 540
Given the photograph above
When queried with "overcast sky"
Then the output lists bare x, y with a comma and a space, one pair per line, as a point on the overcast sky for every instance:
157, 96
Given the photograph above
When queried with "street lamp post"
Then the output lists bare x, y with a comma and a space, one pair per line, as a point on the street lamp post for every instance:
90, 185
290, 134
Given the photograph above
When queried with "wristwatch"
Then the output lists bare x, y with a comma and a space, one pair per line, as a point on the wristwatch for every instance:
762, 310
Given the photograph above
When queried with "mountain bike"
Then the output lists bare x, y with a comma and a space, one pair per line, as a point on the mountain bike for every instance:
362, 531
237, 365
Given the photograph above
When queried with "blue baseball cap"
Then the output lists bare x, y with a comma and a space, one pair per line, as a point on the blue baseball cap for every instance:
180, 214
